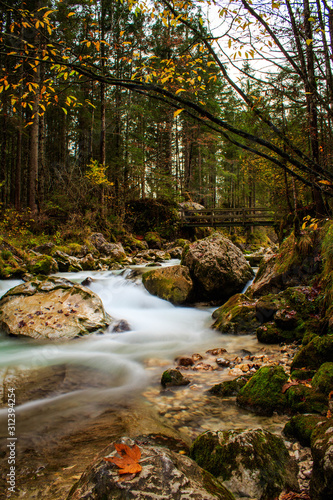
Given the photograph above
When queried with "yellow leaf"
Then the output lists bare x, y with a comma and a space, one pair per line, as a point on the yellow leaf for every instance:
71, 14
177, 112
97, 45
180, 90
229, 43
309, 41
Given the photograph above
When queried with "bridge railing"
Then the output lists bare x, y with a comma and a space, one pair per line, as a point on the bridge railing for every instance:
228, 217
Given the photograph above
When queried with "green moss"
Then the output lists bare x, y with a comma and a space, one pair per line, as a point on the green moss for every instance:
301, 427
263, 454
173, 377
315, 353
302, 374
323, 379
237, 316
302, 399
42, 265
229, 387
263, 392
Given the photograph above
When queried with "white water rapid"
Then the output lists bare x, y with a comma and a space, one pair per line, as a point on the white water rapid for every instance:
77, 380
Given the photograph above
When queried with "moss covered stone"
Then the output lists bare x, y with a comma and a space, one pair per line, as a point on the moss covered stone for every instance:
303, 399
229, 387
153, 240
269, 333
171, 283
44, 264
321, 484
315, 353
263, 392
323, 379
253, 463
300, 427
173, 377
236, 316
302, 374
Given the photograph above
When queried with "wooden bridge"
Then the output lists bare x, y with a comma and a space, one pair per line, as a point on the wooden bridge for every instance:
228, 217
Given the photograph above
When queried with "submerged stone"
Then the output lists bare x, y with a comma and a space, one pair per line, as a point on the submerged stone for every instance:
173, 377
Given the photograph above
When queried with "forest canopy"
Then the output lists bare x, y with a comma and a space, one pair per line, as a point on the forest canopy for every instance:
224, 103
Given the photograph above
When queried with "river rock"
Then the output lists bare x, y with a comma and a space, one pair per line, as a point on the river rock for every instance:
301, 427
153, 255
171, 283
54, 308
236, 316
321, 484
251, 464
263, 392
323, 379
315, 353
165, 475
217, 267
173, 378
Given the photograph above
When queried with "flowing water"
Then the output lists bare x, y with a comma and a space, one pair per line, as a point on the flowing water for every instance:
63, 386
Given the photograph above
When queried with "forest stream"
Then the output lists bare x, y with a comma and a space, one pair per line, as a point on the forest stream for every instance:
74, 398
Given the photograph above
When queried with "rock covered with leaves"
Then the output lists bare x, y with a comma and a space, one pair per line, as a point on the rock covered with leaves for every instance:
161, 473
217, 267
251, 464
54, 308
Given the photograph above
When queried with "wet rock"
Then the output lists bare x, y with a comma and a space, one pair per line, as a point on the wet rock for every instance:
269, 333
229, 387
263, 392
185, 361
87, 281
315, 353
251, 464
236, 316
88, 262
223, 361
321, 484
323, 379
171, 283
165, 474
217, 267
121, 326
54, 308
173, 377
301, 427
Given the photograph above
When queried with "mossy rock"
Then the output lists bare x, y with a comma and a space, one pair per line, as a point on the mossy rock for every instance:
269, 333
263, 392
10, 267
44, 264
172, 283
323, 379
303, 399
253, 463
321, 483
302, 374
315, 353
173, 377
301, 427
229, 387
236, 316
154, 240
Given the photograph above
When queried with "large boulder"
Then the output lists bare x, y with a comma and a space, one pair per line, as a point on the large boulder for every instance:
112, 250
217, 267
54, 308
42, 264
165, 474
171, 283
236, 316
251, 464
321, 484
